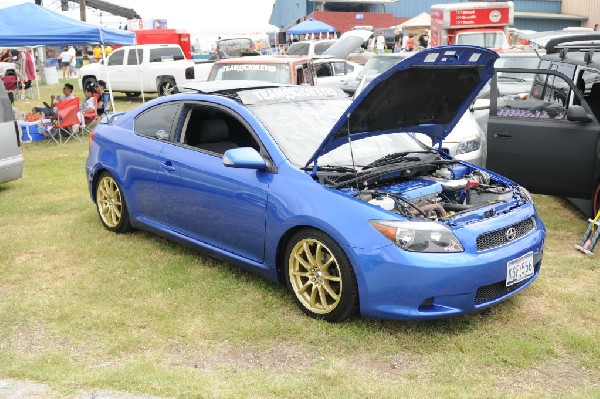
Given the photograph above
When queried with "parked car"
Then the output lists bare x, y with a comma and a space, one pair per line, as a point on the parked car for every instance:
554, 130
335, 71
332, 197
155, 68
11, 159
348, 46
374, 66
267, 68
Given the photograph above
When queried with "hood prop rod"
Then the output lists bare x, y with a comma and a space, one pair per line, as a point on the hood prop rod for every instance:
351, 152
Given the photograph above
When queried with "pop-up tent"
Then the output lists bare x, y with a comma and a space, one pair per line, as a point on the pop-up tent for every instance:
310, 26
28, 24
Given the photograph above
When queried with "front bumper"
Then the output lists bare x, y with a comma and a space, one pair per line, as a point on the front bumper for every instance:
11, 168
395, 284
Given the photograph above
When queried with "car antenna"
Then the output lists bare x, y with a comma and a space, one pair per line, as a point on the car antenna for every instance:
351, 152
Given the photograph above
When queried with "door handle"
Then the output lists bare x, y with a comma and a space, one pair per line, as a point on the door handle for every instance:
502, 135
167, 166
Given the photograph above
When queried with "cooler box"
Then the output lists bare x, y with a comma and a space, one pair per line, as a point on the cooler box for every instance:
30, 131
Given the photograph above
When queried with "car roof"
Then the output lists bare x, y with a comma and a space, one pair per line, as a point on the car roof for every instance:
266, 59
575, 58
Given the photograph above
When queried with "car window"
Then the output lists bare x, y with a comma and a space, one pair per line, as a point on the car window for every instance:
157, 122
116, 58
342, 68
166, 54
320, 47
298, 48
132, 59
212, 130
548, 99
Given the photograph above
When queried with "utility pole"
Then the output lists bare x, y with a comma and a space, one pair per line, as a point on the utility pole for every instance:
82, 10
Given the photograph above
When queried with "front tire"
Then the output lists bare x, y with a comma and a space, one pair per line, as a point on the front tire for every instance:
166, 87
111, 204
320, 276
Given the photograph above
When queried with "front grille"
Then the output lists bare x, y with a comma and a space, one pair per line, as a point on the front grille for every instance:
498, 238
490, 292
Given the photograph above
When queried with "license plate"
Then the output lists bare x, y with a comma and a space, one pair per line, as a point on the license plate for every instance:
519, 269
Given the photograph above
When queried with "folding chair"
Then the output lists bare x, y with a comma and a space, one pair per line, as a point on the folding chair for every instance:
90, 120
68, 116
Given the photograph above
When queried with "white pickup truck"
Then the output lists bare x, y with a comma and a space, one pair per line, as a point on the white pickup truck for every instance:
156, 68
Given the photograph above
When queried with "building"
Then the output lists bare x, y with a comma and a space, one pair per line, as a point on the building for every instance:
539, 15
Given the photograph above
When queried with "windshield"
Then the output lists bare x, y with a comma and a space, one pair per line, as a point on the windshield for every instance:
516, 62
279, 73
232, 47
299, 128
377, 65
483, 39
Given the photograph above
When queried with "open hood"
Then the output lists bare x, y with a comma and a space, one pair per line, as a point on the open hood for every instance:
347, 42
426, 93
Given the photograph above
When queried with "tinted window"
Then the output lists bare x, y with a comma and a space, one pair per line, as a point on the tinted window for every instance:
166, 54
342, 68
131, 57
298, 48
232, 47
321, 47
116, 58
157, 122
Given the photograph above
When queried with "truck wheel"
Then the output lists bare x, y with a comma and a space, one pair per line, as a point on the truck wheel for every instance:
133, 94
166, 87
90, 81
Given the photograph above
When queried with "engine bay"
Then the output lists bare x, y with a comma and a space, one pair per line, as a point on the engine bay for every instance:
436, 191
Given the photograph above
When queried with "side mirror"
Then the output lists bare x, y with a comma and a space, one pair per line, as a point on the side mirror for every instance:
244, 157
576, 113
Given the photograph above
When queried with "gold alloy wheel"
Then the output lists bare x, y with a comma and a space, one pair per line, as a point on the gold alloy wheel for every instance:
315, 276
110, 202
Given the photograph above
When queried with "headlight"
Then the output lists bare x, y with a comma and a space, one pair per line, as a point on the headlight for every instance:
469, 144
525, 194
419, 236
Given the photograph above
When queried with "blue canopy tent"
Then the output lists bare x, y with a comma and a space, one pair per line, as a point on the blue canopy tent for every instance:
310, 26
28, 24
31, 25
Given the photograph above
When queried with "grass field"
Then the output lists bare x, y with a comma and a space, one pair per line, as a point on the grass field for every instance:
83, 308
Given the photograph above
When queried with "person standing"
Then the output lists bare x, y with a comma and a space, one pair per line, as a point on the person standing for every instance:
371, 44
97, 52
107, 50
380, 43
65, 62
73, 64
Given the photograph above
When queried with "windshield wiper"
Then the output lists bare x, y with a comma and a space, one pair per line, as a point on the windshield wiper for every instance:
396, 157
331, 168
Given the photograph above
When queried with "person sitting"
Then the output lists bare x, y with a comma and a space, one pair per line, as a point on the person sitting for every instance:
10, 84
49, 110
100, 103
88, 108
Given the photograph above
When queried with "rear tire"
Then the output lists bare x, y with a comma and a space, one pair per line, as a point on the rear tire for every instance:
89, 82
166, 87
111, 204
320, 276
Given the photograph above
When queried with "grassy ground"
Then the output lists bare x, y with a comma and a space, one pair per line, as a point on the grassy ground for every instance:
82, 308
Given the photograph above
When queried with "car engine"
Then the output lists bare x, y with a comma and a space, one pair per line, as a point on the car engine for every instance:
446, 190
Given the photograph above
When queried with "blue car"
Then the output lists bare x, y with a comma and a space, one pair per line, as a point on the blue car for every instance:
332, 197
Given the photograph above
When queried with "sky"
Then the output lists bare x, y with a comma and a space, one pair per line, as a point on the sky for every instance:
196, 16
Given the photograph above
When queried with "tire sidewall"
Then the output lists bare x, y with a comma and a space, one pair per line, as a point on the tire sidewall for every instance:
124, 224
348, 304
